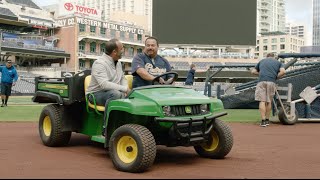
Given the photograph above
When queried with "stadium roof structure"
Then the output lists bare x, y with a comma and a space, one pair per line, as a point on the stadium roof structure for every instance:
38, 19
43, 53
26, 3
7, 14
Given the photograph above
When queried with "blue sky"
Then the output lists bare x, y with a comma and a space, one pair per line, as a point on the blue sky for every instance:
300, 12
44, 3
297, 11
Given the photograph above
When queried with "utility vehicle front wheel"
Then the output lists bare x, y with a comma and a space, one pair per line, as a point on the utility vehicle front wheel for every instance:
50, 127
132, 148
219, 144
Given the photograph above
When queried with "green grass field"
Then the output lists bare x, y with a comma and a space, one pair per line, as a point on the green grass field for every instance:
21, 108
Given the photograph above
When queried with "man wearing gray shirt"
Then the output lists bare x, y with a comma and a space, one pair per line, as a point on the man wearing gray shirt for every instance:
107, 77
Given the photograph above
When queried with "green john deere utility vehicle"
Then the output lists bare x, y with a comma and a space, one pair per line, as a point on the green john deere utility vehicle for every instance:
149, 116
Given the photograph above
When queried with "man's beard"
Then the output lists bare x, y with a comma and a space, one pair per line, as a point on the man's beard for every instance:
150, 53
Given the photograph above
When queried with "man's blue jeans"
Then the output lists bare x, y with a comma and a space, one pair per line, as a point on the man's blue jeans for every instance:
105, 96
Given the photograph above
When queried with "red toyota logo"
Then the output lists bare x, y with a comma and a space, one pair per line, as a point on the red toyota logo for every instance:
68, 6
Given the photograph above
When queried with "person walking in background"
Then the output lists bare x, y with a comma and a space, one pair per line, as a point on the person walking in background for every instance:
190, 77
9, 77
268, 70
148, 64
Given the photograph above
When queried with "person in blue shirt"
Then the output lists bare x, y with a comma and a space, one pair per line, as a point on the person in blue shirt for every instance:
269, 70
148, 64
9, 77
190, 77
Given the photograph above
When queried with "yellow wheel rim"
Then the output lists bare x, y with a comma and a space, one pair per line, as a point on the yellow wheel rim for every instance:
213, 142
47, 126
127, 149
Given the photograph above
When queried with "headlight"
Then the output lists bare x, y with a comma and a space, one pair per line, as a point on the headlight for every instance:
204, 108
167, 111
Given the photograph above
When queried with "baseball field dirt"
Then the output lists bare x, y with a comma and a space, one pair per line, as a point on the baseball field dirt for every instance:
277, 151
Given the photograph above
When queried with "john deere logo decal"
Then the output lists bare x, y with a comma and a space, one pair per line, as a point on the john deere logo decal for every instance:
188, 109
56, 86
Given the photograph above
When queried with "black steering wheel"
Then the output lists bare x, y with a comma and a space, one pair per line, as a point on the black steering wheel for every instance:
156, 79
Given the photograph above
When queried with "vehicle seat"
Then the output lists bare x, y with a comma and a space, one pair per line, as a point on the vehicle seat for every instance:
88, 103
98, 107
129, 80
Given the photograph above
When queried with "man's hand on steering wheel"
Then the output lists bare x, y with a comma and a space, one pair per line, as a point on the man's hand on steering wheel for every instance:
169, 81
162, 81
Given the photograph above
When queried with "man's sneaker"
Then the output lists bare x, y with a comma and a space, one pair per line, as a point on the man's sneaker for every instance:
2, 105
263, 123
267, 122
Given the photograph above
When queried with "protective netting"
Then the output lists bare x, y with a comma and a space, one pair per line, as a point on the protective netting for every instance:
299, 78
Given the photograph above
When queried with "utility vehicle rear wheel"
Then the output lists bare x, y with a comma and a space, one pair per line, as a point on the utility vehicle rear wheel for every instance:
50, 129
132, 148
220, 142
